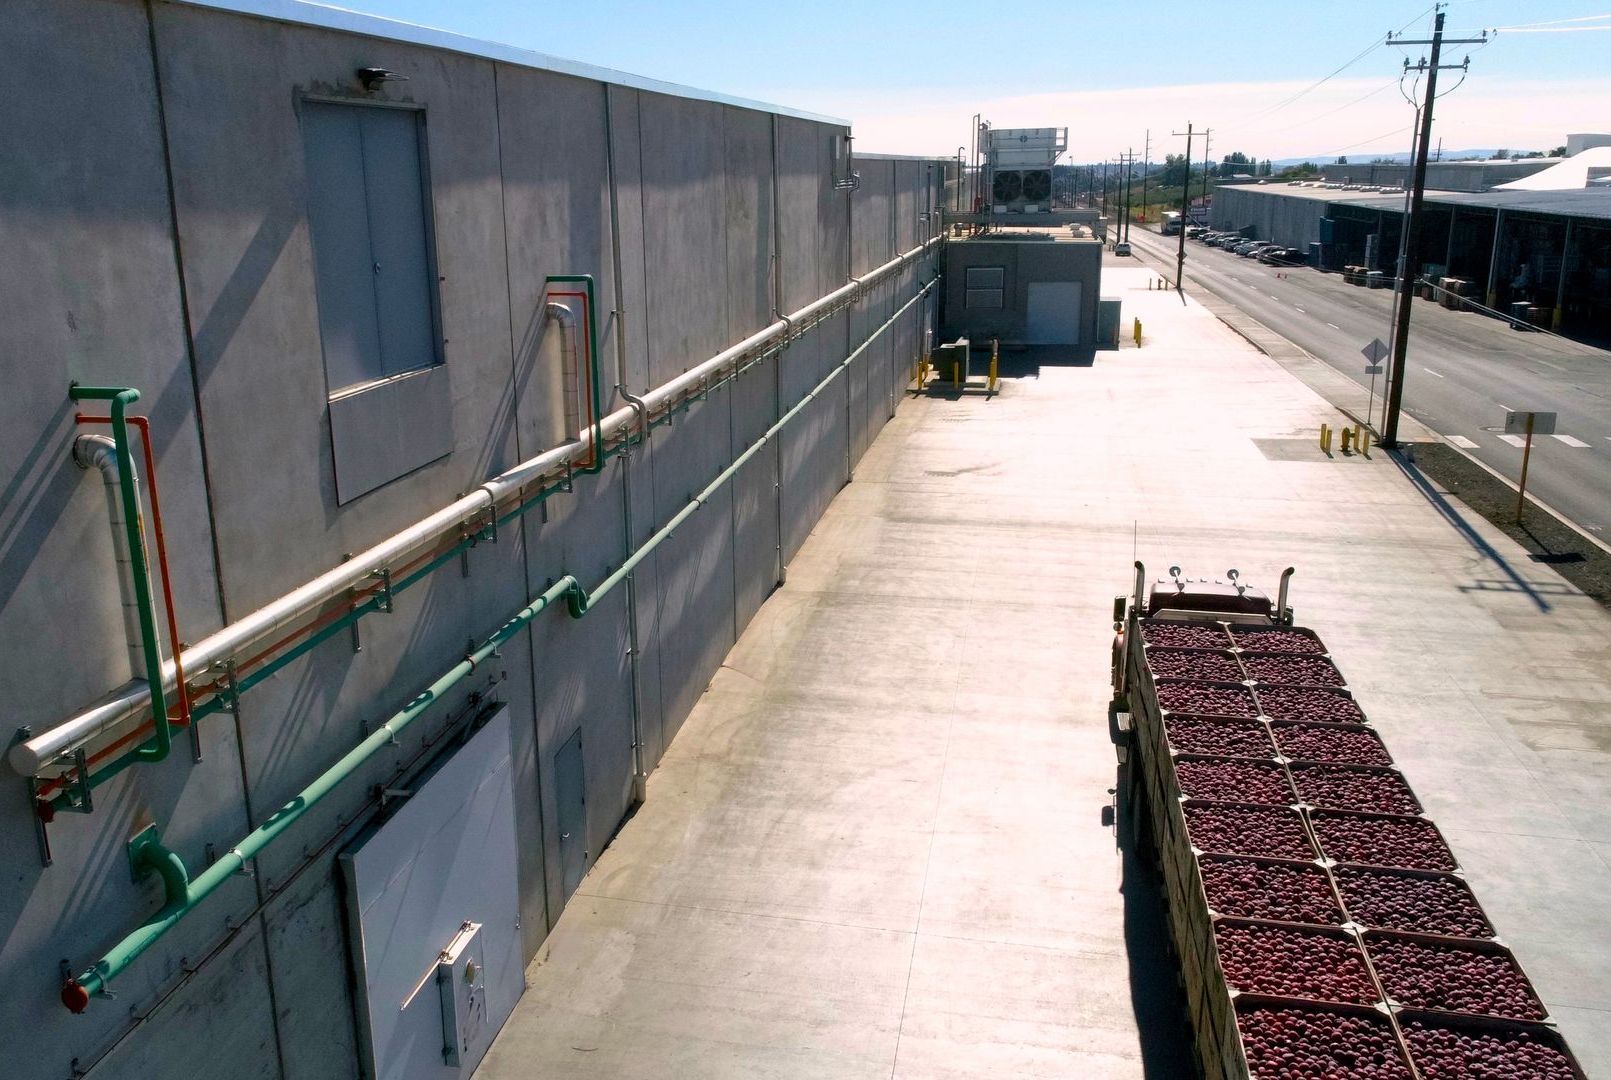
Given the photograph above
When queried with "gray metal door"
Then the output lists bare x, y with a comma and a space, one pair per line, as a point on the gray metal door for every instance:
369, 219
1053, 314
570, 796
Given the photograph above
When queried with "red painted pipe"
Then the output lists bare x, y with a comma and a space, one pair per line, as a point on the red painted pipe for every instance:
144, 424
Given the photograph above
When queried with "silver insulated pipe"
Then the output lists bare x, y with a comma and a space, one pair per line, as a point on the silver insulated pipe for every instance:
100, 452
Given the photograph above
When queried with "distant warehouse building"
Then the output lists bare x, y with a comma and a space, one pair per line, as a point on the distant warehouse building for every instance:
1550, 250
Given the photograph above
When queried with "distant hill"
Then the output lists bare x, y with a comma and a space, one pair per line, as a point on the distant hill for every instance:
1401, 157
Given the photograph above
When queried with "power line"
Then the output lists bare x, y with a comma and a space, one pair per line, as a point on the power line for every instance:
1556, 22
1372, 47
1331, 112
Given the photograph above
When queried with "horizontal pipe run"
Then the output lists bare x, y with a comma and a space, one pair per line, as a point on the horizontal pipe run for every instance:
31, 757
182, 894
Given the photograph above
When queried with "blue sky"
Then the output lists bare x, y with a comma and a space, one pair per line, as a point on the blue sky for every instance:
910, 77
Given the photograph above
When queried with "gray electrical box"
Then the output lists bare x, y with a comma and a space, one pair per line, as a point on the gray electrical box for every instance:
951, 359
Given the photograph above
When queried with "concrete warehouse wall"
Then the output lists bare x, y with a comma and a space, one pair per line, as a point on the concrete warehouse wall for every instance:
1440, 175
1266, 213
156, 233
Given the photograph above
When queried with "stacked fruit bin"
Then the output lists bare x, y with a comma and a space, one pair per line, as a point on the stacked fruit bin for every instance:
1322, 923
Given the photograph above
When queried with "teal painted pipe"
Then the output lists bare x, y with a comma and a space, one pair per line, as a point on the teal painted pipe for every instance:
592, 360
121, 398
181, 894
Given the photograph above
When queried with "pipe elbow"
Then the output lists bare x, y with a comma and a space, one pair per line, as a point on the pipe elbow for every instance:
560, 314
97, 452
150, 856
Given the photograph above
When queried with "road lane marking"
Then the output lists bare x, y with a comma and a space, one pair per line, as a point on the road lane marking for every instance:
1570, 441
1429, 371
1300, 310
1462, 442
1334, 326
1502, 405
1515, 440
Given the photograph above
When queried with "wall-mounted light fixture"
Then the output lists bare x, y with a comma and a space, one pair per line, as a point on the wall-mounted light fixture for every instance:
374, 76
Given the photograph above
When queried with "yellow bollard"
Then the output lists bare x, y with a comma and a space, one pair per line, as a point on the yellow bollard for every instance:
1364, 441
956, 373
995, 355
1138, 333
1325, 439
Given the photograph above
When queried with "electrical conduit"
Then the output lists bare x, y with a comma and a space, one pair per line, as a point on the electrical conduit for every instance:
182, 894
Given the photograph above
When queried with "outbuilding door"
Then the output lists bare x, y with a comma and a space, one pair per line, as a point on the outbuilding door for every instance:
570, 797
1053, 314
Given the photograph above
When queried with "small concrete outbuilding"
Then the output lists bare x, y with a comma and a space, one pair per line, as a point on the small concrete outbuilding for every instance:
1022, 287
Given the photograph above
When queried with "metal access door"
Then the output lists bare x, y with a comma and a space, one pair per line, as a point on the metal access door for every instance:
437, 878
1053, 313
570, 795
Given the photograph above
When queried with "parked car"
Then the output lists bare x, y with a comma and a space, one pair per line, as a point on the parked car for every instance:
1195, 231
1231, 241
1121, 248
1245, 247
1277, 255
1255, 249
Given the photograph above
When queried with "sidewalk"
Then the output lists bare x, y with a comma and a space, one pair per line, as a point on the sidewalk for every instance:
881, 844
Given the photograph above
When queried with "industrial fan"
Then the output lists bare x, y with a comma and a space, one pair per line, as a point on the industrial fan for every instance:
1007, 186
1037, 185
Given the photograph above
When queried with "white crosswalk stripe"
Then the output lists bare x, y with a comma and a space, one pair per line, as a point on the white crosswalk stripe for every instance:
1570, 441
1514, 440
1462, 442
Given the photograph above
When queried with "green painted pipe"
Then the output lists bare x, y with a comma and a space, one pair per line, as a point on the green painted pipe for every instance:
579, 600
181, 894
592, 360
121, 398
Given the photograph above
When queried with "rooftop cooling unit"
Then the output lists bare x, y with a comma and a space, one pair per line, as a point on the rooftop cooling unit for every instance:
1007, 187
1037, 185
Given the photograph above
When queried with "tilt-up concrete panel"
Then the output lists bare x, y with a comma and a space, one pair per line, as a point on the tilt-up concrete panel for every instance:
240, 191
580, 668
240, 194
685, 242
555, 175
90, 290
751, 238
694, 565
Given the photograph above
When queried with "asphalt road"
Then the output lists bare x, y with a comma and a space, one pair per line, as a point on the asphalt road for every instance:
1464, 370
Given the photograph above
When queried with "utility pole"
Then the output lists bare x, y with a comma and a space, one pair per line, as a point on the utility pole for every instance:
1207, 137
1185, 209
1412, 225
1146, 167
1127, 160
